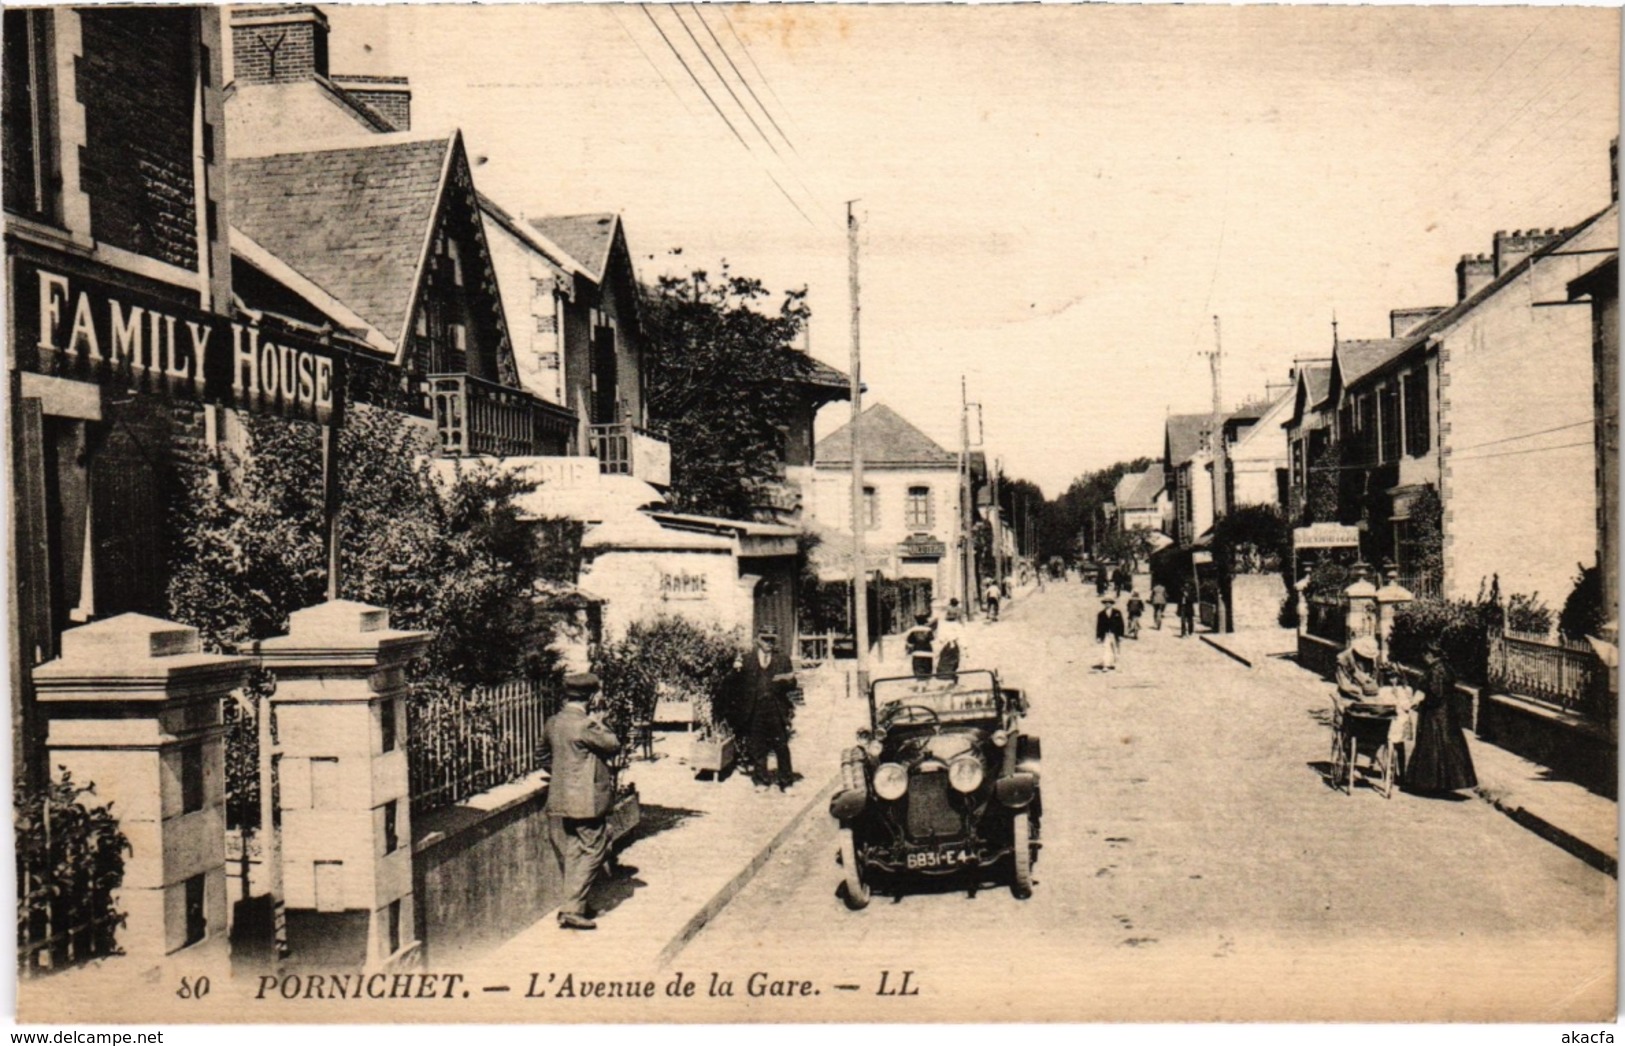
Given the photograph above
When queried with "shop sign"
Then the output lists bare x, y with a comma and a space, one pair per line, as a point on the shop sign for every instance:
75, 327
1325, 535
923, 546
682, 586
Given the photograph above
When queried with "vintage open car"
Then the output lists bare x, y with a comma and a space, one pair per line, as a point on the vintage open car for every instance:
943, 784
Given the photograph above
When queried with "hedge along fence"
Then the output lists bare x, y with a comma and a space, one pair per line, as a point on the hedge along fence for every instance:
70, 861
668, 658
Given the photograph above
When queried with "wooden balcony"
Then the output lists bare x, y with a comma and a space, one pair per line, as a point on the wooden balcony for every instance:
626, 450
478, 418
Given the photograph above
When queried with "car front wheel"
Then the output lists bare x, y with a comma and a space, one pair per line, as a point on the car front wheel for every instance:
857, 891
1021, 883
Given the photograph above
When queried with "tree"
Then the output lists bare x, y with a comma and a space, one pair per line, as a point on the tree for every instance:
723, 381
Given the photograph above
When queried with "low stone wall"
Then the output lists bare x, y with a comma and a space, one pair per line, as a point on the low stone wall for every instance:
1572, 747
1318, 655
483, 869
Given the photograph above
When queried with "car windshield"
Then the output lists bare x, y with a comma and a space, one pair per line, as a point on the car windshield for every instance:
968, 695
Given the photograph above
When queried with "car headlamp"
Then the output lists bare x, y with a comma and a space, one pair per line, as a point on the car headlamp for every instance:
965, 773
891, 780
1001, 738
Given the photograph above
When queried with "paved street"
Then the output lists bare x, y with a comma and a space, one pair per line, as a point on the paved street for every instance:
1194, 859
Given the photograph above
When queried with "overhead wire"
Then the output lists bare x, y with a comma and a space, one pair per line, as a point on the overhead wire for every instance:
718, 110
743, 47
700, 14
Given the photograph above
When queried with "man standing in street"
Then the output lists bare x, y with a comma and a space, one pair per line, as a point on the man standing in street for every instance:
762, 682
579, 794
1187, 612
1108, 633
1159, 604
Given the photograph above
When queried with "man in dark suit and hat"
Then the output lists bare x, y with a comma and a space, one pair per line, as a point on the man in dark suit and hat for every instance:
762, 684
580, 794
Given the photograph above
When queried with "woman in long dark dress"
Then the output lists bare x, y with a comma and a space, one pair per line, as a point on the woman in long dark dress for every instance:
1440, 761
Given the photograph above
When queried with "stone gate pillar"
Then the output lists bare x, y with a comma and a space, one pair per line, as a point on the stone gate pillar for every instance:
1391, 598
1361, 619
344, 802
135, 707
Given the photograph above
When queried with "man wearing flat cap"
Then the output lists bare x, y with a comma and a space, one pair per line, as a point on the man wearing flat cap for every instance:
580, 794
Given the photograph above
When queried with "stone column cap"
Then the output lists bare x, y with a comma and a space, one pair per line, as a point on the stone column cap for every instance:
1361, 589
340, 630
131, 648
1394, 592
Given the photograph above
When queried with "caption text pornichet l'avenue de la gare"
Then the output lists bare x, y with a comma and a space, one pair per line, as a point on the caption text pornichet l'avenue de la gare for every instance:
335, 987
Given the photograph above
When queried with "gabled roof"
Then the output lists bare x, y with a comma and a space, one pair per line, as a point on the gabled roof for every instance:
1316, 381
887, 439
1139, 490
1354, 358
532, 237
356, 219
1183, 437
586, 238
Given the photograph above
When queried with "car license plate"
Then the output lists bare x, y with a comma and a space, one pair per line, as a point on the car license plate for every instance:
948, 857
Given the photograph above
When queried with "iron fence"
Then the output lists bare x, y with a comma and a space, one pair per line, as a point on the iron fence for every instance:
465, 743
1557, 671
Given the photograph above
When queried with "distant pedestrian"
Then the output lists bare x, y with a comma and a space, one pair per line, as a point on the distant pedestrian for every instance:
579, 794
1187, 611
1102, 579
1159, 604
1135, 608
1122, 580
1108, 634
990, 598
920, 643
1440, 761
762, 684
950, 642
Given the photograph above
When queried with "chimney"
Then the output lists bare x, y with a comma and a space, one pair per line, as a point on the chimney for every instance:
278, 45
1473, 274
1512, 248
388, 96
1402, 321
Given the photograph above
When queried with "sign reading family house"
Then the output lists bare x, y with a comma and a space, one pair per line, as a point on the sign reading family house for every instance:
75, 327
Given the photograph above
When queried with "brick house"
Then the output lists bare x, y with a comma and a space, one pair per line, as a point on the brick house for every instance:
1308, 433
1187, 462
1601, 286
122, 326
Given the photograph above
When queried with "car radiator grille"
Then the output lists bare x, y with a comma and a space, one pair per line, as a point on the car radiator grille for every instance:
930, 810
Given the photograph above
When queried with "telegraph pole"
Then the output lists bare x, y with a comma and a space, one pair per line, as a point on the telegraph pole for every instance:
1221, 470
860, 577
967, 541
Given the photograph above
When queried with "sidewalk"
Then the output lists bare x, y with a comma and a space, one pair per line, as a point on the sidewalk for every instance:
1563, 813
698, 844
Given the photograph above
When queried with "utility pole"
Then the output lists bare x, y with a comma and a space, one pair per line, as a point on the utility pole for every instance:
967, 538
860, 577
1221, 470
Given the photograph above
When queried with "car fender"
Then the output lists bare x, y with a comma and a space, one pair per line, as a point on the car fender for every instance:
848, 803
1016, 791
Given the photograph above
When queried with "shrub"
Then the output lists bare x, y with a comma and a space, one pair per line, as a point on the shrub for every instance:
1462, 627
70, 862
667, 659
1585, 611
1528, 613
1330, 578
1288, 617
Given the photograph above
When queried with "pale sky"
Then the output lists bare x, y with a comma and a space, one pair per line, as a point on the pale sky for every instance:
1055, 200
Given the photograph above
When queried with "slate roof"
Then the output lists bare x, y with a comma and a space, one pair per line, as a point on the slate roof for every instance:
1139, 490
824, 376
1184, 436
888, 440
1355, 358
555, 255
1317, 381
354, 220
584, 237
